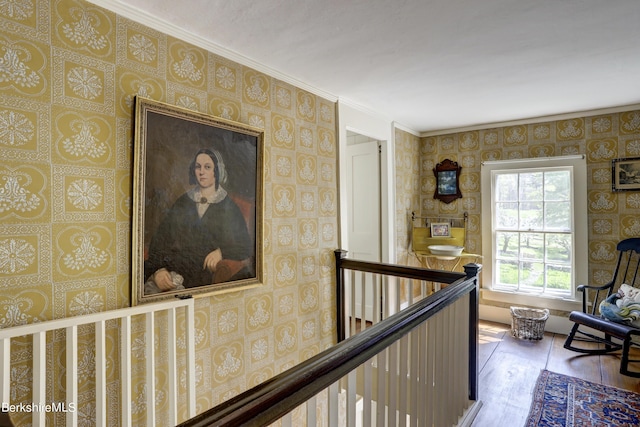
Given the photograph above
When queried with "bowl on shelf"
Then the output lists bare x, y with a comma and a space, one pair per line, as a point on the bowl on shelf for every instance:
446, 250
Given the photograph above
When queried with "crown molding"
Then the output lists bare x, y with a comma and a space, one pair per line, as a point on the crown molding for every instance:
406, 129
359, 107
540, 119
151, 21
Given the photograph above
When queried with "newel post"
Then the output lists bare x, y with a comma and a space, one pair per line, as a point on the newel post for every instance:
472, 271
340, 310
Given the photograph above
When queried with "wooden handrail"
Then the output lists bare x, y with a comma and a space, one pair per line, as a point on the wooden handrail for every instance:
269, 401
396, 270
408, 272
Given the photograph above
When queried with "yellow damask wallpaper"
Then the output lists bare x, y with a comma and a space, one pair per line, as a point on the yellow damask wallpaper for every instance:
612, 216
408, 192
68, 77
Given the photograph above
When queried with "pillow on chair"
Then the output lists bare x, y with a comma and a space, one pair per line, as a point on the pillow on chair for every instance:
623, 306
628, 295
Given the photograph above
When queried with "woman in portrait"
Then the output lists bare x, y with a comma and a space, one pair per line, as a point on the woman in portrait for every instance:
203, 239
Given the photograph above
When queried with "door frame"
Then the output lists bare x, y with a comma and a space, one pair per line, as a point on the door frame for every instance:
355, 119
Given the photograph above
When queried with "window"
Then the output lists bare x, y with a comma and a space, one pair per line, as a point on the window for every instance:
534, 225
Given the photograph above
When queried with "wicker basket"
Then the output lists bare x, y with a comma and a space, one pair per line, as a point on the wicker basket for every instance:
528, 323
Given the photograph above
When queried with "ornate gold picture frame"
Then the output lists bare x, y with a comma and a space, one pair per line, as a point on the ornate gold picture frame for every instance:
197, 203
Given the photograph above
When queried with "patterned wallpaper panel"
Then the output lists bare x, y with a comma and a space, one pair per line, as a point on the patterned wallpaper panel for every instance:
408, 190
612, 216
68, 77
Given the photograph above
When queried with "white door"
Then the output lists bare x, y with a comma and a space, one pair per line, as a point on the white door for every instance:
363, 207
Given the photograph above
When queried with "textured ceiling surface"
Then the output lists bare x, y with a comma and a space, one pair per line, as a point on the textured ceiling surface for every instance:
429, 64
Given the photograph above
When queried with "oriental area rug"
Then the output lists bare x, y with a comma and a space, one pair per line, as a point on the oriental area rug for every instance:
561, 400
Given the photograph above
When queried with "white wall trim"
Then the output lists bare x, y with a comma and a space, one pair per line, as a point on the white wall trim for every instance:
380, 129
533, 301
556, 324
403, 128
167, 28
362, 109
540, 119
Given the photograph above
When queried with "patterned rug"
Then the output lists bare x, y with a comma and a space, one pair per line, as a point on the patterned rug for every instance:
561, 400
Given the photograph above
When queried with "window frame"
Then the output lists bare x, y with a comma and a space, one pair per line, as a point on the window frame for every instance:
579, 264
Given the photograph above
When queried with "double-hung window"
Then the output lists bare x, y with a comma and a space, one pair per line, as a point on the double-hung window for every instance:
534, 225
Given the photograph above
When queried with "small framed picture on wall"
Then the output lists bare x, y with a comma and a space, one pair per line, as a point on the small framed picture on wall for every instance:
625, 174
440, 229
447, 174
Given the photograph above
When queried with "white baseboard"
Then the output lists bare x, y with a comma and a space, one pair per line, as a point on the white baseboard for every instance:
555, 324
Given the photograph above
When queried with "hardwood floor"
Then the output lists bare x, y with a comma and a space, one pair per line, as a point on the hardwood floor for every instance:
509, 368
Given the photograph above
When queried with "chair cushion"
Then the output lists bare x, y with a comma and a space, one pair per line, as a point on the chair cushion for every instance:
602, 324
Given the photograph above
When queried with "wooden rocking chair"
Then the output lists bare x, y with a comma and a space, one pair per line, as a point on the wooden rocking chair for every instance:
617, 336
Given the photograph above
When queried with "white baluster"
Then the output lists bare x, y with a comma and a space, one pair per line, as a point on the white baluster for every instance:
72, 374
101, 374
39, 377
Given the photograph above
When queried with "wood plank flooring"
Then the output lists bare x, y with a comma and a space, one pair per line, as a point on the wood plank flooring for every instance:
509, 368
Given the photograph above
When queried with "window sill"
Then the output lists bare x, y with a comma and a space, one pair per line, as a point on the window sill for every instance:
532, 300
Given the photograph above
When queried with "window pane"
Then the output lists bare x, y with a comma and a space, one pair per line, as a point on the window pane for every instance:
559, 278
507, 216
558, 248
507, 245
507, 273
506, 187
557, 186
531, 217
532, 246
557, 216
532, 275
531, 186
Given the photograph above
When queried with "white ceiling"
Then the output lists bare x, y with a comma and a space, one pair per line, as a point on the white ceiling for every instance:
426, 64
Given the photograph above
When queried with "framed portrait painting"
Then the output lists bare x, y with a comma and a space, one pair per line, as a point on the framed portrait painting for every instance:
197, 203
625, 174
